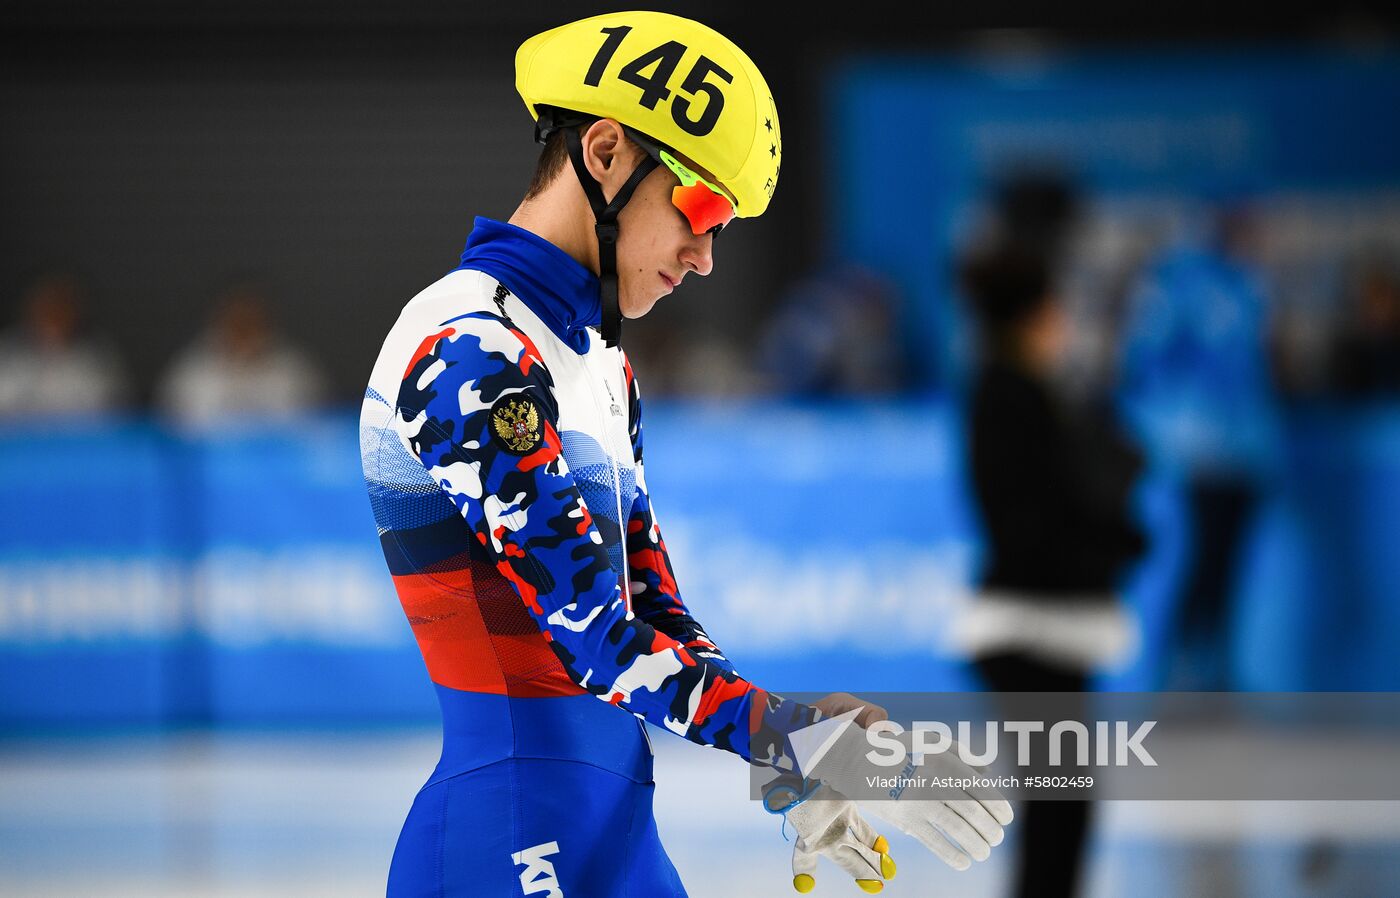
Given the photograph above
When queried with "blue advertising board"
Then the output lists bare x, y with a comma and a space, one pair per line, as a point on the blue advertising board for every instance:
235, 578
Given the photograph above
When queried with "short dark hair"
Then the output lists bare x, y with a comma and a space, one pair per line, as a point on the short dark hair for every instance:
550, 163
556, 150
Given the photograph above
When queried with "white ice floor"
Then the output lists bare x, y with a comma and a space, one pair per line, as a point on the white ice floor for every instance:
317, 814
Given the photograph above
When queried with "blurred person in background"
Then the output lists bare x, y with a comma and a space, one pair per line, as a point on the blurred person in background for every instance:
502, 449
50, 364
240, 368
1197, 379
712, 366
834, 335
1037, 208
685, 360
1365, 357
1052, 484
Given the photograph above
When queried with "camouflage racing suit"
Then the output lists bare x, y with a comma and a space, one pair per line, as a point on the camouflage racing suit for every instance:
502, 449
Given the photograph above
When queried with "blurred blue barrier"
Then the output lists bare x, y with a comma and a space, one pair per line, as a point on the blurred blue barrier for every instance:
148, 578
89, 604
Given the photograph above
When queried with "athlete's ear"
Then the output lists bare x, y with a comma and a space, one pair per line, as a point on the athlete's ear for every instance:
603, 145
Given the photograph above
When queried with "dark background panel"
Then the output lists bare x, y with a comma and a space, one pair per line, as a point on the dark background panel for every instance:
338, 151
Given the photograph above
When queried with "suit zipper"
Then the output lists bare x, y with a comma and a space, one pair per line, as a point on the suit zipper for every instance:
606, 423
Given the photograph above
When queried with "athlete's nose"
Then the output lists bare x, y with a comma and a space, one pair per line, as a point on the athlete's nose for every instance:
698, 254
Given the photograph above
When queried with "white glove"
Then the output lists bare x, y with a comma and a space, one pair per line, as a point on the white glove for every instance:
957, 829
831, 826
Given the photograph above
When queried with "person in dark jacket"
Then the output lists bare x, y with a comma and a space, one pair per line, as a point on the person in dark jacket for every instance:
1051, 483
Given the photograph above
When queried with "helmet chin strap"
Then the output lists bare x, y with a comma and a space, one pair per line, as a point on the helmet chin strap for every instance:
605, 213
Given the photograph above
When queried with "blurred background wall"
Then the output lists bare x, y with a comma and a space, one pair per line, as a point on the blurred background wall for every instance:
338, 151
335, 152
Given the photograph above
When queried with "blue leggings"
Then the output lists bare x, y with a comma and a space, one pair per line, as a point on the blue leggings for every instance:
550, 827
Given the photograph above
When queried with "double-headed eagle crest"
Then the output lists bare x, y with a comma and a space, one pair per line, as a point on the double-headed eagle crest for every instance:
516, 424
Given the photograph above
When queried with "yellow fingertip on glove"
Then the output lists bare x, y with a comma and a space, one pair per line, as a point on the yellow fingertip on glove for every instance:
887, 867
804, 883
870, 885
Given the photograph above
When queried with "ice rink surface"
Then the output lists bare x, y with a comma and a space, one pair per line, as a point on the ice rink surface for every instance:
274, 814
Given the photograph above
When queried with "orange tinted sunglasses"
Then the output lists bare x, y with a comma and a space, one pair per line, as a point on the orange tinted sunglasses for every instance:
703, 204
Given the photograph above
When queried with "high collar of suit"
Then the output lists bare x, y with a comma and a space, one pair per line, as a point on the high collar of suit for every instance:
554, 285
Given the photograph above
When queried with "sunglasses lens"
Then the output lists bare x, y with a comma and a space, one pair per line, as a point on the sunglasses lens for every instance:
703, 208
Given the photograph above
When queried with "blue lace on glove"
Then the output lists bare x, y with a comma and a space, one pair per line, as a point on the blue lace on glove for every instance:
809, 789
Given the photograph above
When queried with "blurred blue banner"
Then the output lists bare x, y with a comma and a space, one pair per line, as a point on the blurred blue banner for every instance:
148, 578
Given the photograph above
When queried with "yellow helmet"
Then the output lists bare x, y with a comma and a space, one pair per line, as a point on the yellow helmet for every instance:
676, 81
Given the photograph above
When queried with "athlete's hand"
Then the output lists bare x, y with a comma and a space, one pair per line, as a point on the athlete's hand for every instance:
831, 826
957, 831
957, 826
841, 702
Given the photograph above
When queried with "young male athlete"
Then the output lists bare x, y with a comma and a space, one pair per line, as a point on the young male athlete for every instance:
502, 447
